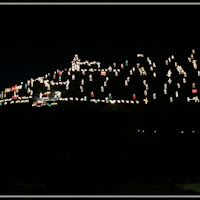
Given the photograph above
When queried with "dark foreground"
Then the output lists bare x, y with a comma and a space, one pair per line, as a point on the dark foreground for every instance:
87, 149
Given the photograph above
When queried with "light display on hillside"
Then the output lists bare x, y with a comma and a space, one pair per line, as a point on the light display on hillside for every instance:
119, 83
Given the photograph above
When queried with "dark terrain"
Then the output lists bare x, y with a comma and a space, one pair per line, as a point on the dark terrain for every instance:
69, 149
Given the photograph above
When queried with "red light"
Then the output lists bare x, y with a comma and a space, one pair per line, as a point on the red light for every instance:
14, 88
45, 94
14, 97
134, 96
92, 94
103, 73
194, 91
59, 73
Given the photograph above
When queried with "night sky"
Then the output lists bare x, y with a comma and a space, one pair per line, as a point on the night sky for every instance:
37, 39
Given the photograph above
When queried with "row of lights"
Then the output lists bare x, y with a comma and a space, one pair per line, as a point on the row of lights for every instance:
155, 131
106, 100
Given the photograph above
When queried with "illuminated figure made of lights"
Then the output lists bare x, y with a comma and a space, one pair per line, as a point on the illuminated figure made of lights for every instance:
76, 63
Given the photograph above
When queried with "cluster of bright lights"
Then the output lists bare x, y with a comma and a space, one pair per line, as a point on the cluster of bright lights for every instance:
181, 72
15, 93
89, 74
40, 104
76, 63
